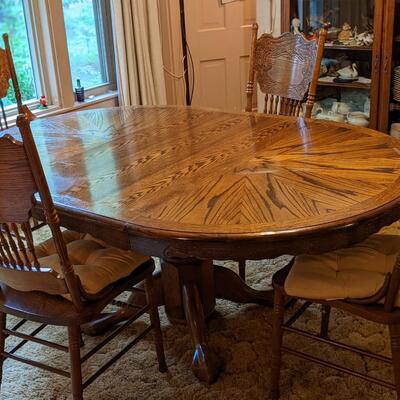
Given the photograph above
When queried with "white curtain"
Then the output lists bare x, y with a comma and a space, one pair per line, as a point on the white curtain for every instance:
138, 52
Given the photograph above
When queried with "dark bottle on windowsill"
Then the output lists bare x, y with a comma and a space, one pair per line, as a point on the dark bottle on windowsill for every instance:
79, 91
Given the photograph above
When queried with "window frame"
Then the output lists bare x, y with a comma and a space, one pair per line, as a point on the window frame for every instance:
50, 59
105, 44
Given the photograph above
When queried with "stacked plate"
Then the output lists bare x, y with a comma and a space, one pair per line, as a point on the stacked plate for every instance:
396, 84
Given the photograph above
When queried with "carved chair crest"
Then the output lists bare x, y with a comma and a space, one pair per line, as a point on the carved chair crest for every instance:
284, 65
286, 69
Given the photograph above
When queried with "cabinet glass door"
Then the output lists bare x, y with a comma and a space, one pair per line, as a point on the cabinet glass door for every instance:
346, 87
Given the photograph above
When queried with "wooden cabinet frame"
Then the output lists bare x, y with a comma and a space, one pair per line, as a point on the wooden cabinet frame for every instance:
380, 38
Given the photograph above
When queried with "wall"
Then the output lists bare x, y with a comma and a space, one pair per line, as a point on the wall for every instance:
268, 14
172, 51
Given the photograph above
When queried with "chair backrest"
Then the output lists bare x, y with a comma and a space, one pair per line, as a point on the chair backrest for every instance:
21, 180
286, 69
7, 73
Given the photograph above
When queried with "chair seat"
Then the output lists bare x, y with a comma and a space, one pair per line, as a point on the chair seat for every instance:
96, 264
357, 272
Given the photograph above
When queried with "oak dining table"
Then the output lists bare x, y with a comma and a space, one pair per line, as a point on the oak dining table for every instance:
194, 185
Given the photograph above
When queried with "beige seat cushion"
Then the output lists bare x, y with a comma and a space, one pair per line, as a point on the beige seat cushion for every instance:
356, 272
96, 264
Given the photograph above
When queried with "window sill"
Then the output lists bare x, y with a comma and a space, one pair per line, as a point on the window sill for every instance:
55, 110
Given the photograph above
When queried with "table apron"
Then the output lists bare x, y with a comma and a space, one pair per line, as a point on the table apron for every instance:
168, 248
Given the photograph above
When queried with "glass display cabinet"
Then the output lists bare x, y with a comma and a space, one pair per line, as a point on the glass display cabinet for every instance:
348, 89
389, 92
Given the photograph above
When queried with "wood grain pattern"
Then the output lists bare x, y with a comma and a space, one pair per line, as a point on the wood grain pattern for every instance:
286, 69
26, 286
379, 308
187, 173
182, 183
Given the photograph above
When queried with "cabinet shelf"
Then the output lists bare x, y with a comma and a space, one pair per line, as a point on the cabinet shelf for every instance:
375, 80
347, 48
349, 85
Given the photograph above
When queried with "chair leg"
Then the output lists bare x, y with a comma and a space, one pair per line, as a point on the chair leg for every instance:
155, 322
74, 341
395, 344
277, 336
81, 341
242, 270
325, 314
3, 318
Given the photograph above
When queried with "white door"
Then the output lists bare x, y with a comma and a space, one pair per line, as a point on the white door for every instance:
219, 39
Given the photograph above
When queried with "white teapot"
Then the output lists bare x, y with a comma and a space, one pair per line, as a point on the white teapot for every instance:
340, 108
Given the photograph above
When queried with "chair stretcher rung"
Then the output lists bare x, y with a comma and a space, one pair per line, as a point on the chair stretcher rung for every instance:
338, 368
19, 324
137, 289
35, 339
114, 333
338, 344
298, 314
25, 341
116, 357
123, 304
36, 364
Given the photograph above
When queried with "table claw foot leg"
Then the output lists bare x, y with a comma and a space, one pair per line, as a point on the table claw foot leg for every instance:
205, 365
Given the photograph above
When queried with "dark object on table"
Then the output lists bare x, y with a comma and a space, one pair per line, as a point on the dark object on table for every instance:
79, 91
344, 80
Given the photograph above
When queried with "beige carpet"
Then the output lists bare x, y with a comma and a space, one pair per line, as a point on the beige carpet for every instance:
241, 336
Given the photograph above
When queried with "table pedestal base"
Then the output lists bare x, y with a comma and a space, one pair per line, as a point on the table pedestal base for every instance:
191, 288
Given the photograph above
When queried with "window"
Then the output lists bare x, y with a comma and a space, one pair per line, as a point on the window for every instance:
41, 50
11, 15
87, 36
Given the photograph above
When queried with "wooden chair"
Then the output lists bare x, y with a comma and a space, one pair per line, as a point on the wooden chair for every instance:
286, 69
364, 280
7, 73
65, 281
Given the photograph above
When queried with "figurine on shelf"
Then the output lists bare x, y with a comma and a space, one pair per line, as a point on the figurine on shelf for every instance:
323, 71
330, 66
332, 33
364, 39
43, 102
296, 25
345, 34
349, 72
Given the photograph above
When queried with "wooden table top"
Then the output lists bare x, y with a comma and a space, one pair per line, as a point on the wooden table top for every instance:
192, 173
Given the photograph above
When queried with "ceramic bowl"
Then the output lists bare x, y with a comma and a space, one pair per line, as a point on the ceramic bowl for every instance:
395, 130
358, 118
